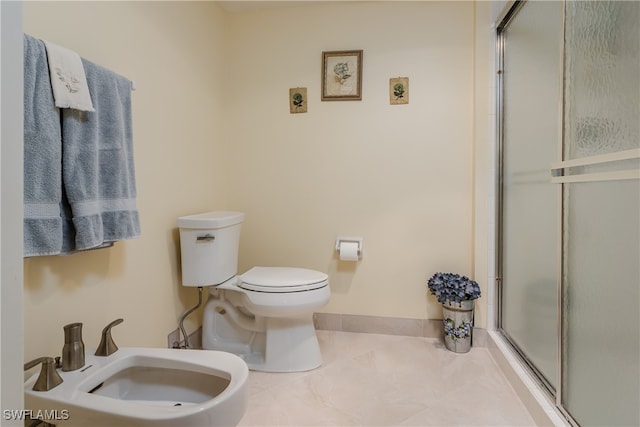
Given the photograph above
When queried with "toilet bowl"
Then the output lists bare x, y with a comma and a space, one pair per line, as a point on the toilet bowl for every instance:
265, 315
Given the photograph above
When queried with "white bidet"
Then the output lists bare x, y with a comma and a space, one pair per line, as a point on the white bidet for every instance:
147, 387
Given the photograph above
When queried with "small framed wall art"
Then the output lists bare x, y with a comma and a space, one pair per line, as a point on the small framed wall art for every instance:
399, 90
342, 75
298, 100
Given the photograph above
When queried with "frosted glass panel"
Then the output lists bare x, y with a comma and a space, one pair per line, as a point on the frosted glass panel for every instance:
601, 366
532, 78
601, 284
603, 84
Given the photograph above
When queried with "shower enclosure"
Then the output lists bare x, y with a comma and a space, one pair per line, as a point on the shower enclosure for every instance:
569, 202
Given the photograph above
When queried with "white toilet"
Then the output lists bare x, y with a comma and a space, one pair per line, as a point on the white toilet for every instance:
265, 315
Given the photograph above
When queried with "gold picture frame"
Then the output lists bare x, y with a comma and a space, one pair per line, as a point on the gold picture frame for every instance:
342, 75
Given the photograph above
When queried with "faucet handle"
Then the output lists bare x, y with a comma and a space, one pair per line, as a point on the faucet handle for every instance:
107, 346
49, 377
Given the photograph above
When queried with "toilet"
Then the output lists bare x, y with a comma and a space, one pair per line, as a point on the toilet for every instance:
264, 315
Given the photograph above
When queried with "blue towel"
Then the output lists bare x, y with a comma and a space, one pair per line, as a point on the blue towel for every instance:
42, 156
97, 164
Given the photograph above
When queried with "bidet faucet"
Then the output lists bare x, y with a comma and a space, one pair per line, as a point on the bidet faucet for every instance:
107, 346
73, 350
49, 377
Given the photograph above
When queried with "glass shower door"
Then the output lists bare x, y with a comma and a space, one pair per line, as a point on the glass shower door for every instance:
581, 236
530, 203
601, 273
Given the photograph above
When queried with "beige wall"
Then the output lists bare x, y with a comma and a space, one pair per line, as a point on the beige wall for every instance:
174, 51
484, 166
212, 130
399, 176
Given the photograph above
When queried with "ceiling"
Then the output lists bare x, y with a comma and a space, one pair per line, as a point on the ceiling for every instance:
243, 5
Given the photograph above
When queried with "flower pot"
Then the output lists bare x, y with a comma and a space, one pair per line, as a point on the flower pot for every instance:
458, 325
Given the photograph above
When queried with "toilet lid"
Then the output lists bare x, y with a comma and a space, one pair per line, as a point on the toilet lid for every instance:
282, 279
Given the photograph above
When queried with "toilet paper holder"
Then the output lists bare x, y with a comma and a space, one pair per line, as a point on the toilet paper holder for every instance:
358, 240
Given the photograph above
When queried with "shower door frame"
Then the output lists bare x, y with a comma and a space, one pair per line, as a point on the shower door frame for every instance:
554, 393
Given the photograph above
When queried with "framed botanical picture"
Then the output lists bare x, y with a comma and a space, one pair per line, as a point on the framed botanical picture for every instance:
342, 75
298, 100
399, 90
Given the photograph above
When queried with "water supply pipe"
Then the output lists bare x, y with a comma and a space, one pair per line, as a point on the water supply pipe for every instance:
184, 316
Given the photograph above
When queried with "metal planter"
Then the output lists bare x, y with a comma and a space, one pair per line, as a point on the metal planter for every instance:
458, 325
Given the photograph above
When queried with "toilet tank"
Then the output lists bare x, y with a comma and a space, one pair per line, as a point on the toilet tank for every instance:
209, 247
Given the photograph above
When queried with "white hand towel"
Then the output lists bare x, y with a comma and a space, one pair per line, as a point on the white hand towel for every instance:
68, 79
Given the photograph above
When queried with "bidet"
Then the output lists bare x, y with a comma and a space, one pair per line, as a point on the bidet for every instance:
148, 387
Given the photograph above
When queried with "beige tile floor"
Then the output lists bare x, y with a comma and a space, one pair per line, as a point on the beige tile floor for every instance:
387, 380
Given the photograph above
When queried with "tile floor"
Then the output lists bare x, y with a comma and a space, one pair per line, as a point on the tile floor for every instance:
387, 380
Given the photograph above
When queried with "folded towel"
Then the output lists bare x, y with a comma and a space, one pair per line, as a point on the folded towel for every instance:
42, 156
97, 165
68, 79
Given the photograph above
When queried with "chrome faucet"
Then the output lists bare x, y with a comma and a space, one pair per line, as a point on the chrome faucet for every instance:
49, 377
107, 346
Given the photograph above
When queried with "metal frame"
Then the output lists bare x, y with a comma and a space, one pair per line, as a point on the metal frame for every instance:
555, 393
502, 23
500, 49
560, 223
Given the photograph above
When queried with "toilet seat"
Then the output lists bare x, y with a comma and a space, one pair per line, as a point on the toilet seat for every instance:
282, 280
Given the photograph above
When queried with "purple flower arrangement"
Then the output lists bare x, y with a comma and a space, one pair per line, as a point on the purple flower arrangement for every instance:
453, 287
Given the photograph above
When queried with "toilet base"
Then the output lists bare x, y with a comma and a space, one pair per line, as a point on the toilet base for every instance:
282, 344
291, 346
